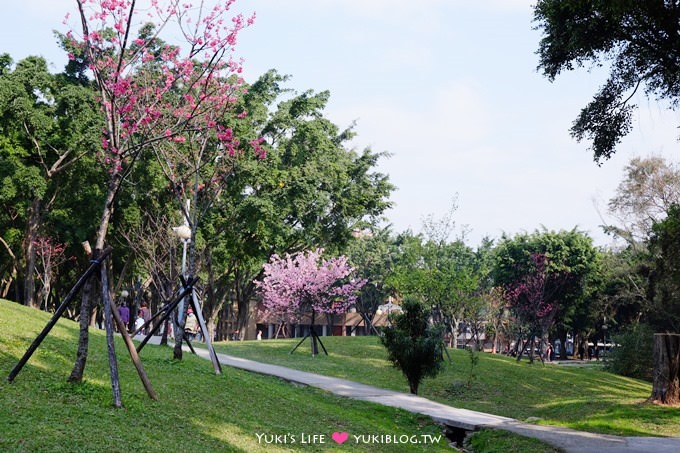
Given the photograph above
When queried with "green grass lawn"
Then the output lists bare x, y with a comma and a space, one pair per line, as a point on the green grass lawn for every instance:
586, 399
196, 411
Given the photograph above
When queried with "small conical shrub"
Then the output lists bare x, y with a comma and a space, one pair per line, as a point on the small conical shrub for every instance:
413, 344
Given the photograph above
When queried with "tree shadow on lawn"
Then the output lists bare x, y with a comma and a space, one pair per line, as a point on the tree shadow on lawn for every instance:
569, 397
636, 420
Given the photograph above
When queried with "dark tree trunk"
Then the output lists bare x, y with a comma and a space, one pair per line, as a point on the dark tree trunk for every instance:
312, 333
179, 329
563, 346
413, 387
81, 358
108, 322
666, 388
83, 342
32, 228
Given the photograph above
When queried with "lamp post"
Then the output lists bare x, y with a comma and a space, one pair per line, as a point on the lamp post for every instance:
184, 233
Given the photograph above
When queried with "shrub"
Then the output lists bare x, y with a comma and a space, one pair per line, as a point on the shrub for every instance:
632, 354
414, 345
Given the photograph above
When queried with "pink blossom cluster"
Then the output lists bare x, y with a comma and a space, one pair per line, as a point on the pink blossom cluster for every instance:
299, 284
527, 296
172, 93
51, 253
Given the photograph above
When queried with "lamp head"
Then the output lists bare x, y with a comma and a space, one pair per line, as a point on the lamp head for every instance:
183, 232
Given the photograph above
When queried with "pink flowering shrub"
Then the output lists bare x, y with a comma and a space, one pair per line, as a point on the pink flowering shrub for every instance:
297, 284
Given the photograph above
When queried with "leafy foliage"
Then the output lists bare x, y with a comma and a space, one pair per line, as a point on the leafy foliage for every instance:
664, 288
48, 135
444, 275
374, 257
561, 289
633, 352
638, 39
414, 345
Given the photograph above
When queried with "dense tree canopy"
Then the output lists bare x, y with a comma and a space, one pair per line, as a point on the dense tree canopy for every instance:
312, 190
562, 283
664, 313
638, 40
48, 135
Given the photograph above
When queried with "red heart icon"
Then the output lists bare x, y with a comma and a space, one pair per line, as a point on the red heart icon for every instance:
340, 437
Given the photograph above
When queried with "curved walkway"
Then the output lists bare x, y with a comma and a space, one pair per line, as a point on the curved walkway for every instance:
566, 439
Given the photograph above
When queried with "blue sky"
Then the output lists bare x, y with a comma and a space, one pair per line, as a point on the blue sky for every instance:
448, 87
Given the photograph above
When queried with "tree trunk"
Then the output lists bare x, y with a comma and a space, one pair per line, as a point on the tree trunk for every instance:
532, 346
13, 275
454, 333
110, 345
563, 346
179, 328
32, 227
81, 358
81, 355
243, 317
312, 333
666, 388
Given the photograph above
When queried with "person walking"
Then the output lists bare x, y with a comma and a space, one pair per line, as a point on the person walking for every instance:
191, 325
145, 313
124, 313
139, 322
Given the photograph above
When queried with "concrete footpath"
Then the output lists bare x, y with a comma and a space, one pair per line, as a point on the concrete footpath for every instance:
462, 420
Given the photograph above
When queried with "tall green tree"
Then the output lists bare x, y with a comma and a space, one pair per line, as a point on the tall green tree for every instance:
664, 288
439, 270
664, 315
621, 288
650, 186
373, 254
569, 253
48, 133
638, 40
312, 190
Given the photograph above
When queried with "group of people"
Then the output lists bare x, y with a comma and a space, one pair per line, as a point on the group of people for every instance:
592, 351
143, 315
142, 325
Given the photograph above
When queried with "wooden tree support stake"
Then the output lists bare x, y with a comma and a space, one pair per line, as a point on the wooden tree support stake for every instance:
165, 313
58, 313
133, 353
206, 335
314, 338
110, 346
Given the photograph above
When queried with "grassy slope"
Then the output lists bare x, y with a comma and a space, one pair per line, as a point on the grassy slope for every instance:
196, 410
582, 398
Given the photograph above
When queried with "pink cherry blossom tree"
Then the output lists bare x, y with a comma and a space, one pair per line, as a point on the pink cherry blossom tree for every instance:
153, 92
307, 284
51, 255
531, 300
